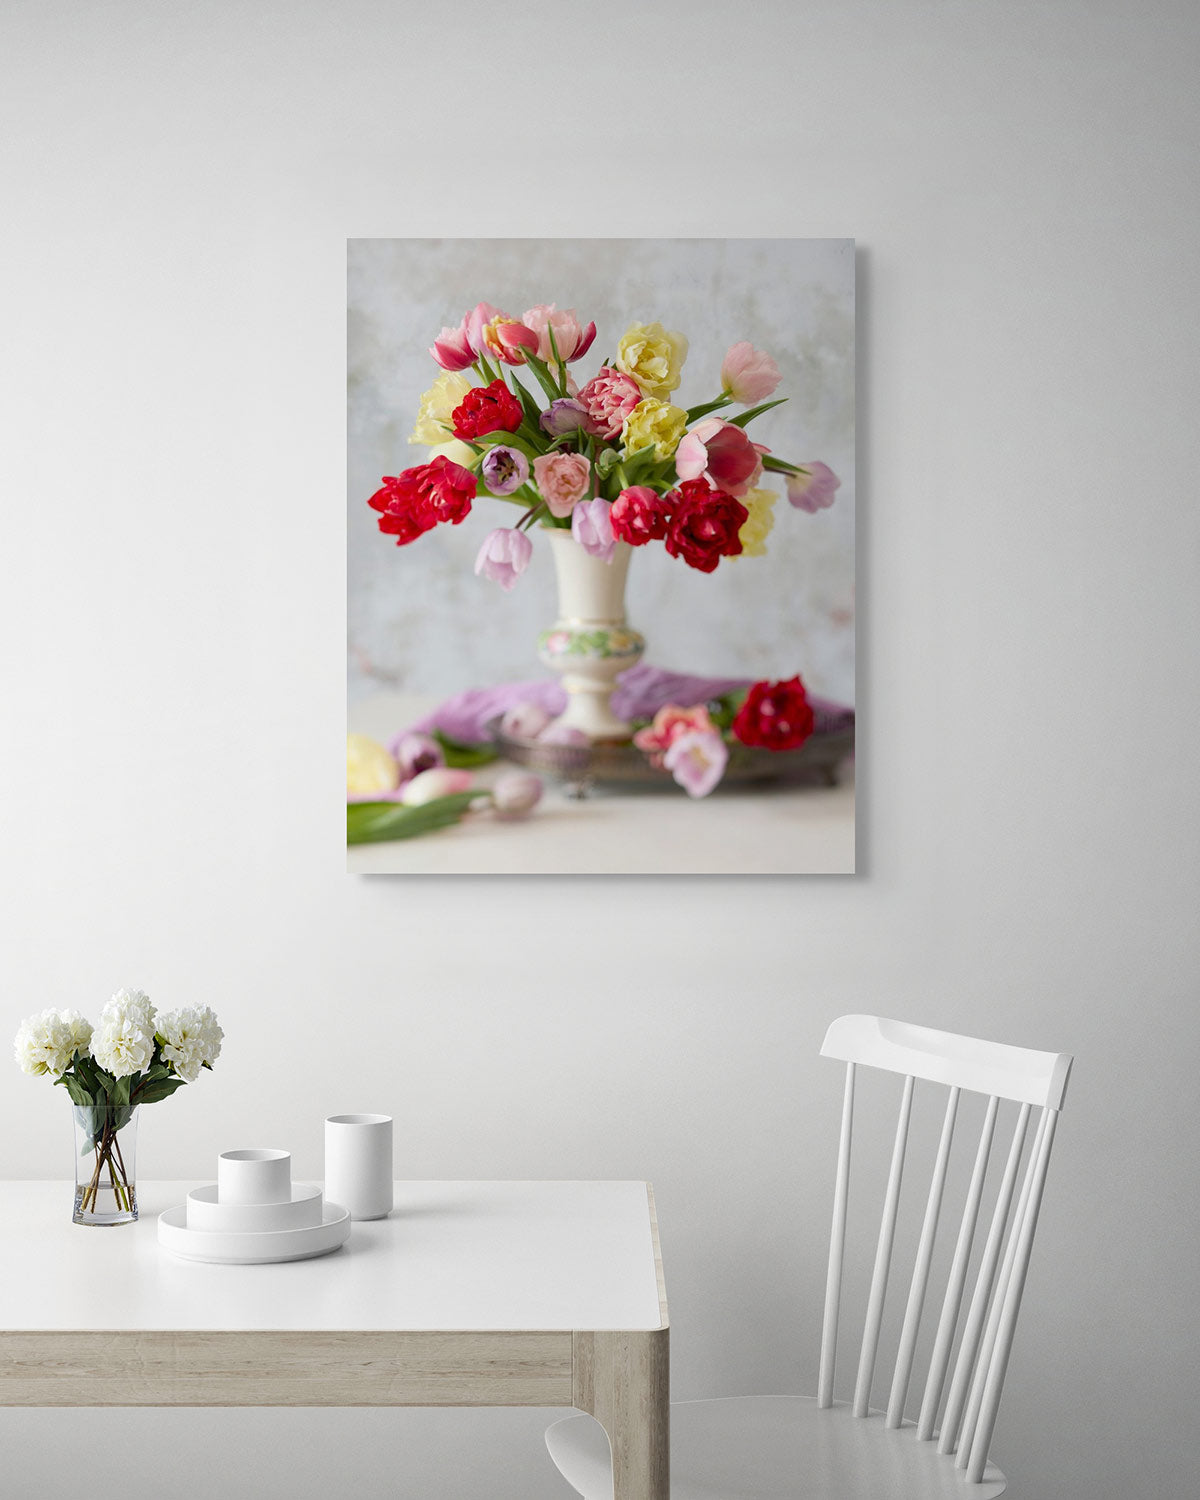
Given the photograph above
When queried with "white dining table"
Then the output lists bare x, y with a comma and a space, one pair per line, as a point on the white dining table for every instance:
737, 830
467, 1294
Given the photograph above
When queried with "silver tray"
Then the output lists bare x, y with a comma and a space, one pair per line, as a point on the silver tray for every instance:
582, 767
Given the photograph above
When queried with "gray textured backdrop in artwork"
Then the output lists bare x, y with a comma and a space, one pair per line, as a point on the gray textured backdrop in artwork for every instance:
420, 620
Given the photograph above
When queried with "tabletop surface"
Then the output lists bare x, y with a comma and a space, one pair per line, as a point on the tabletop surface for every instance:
739, 830
479, 1256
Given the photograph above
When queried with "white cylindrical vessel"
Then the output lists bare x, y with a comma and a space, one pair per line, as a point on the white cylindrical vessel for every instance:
206, 1211
358, 1164
257, 1176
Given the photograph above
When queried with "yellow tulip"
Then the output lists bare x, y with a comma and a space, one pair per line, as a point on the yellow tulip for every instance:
757, 526
657, 422
653, 357
437, 404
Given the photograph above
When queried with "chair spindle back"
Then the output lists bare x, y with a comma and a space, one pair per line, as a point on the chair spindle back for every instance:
1034, 1081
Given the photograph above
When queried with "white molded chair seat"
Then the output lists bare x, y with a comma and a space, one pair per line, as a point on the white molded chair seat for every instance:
776, 1448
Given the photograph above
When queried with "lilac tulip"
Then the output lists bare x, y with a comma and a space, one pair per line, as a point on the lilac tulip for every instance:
591, 526
813, 489
565, 736
524, 721
504, 469
416, 753
516, 793
504, 556
563, 416
697, 761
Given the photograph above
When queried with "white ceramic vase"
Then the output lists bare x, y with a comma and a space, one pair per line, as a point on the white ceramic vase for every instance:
590, 643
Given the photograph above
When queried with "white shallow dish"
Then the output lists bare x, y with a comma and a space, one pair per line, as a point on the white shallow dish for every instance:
252, 1247
206, 1211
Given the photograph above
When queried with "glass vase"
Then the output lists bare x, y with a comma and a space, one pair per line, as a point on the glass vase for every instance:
105, 1164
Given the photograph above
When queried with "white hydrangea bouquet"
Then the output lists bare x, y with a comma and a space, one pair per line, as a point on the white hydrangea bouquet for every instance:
134, 1056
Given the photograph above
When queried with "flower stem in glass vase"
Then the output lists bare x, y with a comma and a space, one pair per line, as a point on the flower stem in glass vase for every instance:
105, 1164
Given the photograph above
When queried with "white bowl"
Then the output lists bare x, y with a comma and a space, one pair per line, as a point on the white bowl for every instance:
255, 1176
208, 1212
250, 1248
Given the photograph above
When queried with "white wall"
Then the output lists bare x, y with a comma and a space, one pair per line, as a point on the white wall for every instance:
178, 186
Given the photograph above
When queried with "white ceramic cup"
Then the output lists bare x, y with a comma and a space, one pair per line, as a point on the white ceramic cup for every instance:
358, 1164
257, 1176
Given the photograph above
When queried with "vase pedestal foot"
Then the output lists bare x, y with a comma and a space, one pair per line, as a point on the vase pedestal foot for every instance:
589, 709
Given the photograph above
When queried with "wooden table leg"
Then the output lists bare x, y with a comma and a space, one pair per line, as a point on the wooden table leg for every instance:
623, 1380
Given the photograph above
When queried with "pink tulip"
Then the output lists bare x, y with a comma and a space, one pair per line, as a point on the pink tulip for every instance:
474, 323
439, 782
451, 349
509, 340
504, 556
572, 339
563, 479
749, 375
668, 724
493, 333
608, 398
814, 489
697, 761
591, 526
723, 454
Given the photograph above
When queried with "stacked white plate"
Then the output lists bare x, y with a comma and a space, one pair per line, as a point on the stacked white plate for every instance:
253, 1215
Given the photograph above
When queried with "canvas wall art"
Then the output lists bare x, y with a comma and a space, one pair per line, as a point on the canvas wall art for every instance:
601, 556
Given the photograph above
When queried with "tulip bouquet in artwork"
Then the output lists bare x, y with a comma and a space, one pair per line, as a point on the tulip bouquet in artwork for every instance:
612, 459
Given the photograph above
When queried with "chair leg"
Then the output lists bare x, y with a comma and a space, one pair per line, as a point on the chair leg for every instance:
623, 1380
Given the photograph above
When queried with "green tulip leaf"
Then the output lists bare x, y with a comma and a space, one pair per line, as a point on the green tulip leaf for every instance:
542, 374
755, 411
461, 756
378, 822
694, 413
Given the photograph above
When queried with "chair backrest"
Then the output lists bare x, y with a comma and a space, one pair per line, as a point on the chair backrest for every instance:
1035, 1081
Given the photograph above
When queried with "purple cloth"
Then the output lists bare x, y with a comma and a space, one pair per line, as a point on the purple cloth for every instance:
639, 694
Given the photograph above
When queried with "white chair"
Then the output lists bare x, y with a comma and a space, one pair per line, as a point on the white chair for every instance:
772, 1447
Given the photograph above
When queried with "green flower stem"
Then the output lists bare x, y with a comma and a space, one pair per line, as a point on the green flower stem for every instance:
106, 1146
121, 1160
531, 515
89, 1192
562, 369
